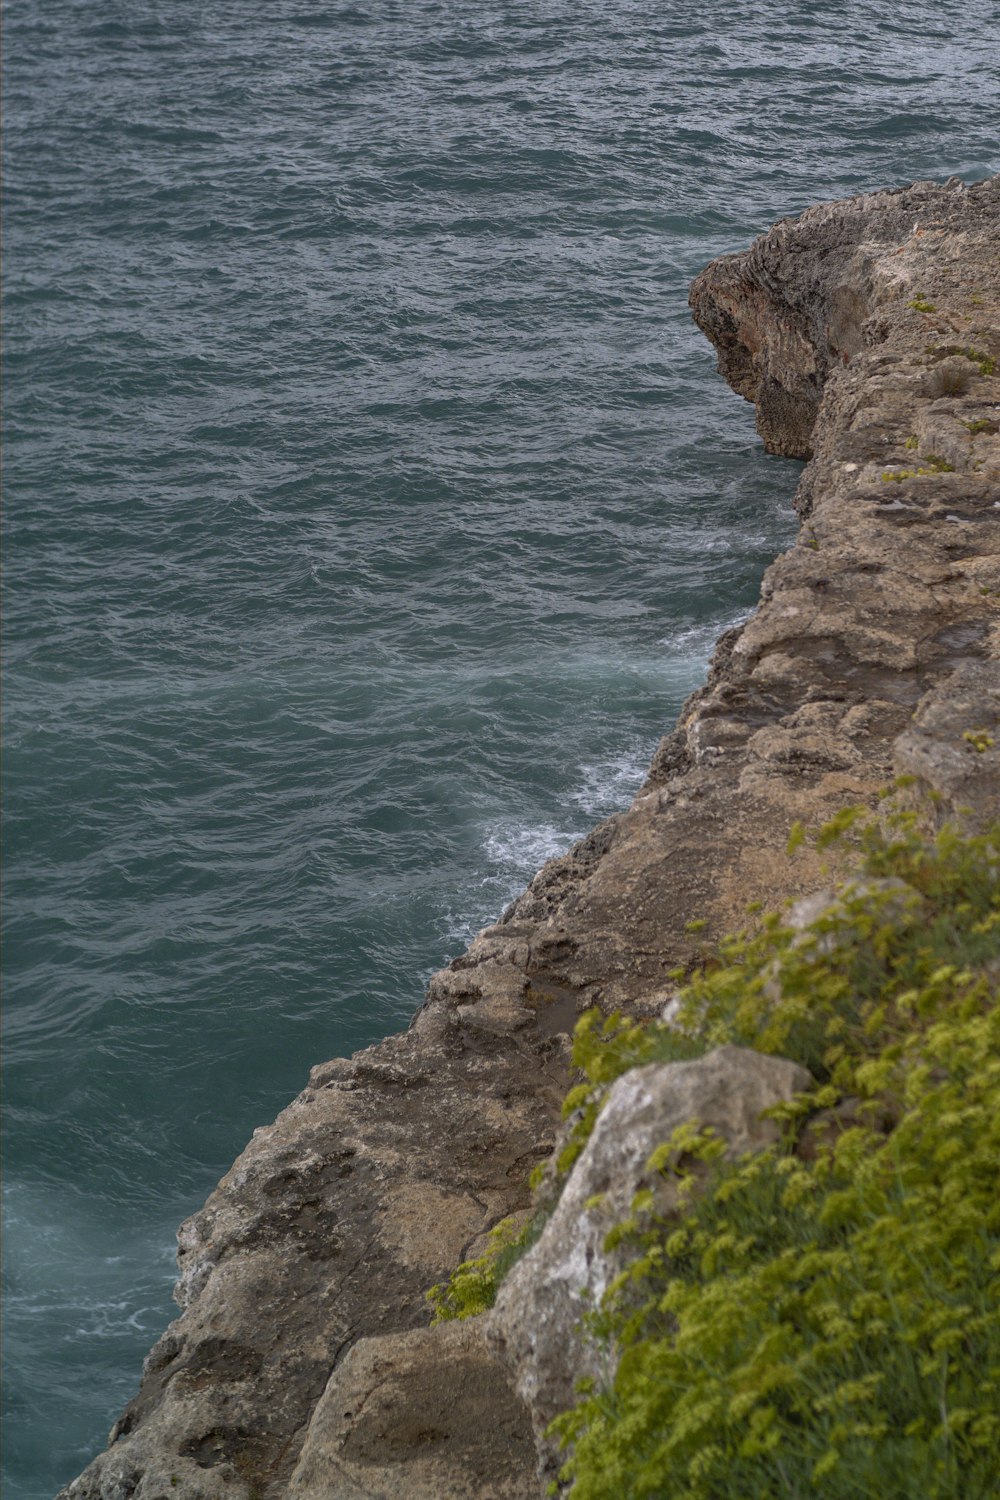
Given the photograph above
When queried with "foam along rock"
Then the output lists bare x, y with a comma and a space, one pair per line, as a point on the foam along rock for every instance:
536, 1324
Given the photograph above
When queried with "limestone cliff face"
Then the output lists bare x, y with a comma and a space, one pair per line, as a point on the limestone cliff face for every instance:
868, 334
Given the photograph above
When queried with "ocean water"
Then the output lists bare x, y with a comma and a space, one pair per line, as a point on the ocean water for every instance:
372, 504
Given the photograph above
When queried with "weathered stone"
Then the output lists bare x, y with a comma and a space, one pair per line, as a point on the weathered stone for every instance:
429, 1415
331, 1225
536, 1324
816, 293
378, 1177
952, 746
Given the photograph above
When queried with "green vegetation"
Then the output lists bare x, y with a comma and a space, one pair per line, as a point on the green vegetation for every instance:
921, 304
472, 1288
824, 1318
935, 465
981, 424
911, 441
985, 363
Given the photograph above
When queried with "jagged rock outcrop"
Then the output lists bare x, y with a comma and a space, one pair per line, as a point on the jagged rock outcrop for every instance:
815, 293
535, 1326
868, 333
330, 1227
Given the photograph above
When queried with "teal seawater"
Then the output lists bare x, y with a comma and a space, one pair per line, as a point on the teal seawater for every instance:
372, 505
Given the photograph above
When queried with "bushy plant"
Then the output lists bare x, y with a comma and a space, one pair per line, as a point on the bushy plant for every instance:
472, 1287
824, 1318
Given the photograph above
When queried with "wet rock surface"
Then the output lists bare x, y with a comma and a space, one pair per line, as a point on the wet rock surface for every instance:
868, 334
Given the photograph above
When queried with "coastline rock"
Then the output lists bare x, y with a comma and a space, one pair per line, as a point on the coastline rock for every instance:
961, 771
816, 292
868, 333
332, 1224
535, 1326
425, 1415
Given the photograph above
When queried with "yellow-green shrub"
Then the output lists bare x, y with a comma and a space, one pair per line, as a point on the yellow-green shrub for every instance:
472, 1287
825, 1319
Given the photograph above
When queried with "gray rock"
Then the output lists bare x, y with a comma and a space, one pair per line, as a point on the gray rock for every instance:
952, 746
429, 1415
368, 1188
799, 305
536, 1323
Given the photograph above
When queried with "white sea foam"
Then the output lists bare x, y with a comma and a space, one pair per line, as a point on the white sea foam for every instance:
695, 639
513, 853
518, 850
608, 785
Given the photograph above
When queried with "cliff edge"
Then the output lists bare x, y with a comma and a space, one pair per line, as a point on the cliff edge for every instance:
867, 333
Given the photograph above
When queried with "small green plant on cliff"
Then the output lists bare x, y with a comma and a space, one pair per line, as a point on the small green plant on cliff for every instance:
935, 465
949, 379
985, 363
981, 424
912, 441
824, 1318
472, 1287
603, 1049
921, 304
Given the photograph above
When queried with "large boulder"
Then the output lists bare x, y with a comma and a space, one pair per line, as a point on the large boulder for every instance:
537, 1324
428, 1415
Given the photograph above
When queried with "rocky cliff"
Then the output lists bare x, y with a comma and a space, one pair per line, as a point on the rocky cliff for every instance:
867, 333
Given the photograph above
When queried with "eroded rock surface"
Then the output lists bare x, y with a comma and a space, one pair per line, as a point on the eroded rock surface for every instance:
535, 1326
425, 1415
960, 771
868, 333
368, 1188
